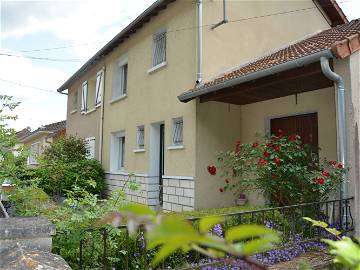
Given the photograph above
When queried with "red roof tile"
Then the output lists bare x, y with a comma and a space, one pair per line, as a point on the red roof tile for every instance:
328, 39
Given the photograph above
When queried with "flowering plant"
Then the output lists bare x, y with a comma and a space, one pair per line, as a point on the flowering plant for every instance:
284, 169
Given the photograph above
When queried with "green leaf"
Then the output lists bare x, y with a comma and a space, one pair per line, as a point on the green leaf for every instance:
207, 223
137, 209
164, 252
243, 232
259, 245
333, 231
316, 223
346, 251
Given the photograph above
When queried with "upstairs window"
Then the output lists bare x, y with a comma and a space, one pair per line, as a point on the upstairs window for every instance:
90, 145
75, 100
159, 48
140, 137
99, 87
120, 78
84, 95
177, 138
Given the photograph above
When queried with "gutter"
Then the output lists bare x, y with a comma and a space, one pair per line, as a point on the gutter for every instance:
296, 63
199, 41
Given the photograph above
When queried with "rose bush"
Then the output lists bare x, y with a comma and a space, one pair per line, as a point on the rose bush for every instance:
281, 167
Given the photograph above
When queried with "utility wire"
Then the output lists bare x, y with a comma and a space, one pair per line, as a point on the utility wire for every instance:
61, 47
42, 58
29, 86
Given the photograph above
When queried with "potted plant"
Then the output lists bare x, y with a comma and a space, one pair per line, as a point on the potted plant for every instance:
241, 200
7, 186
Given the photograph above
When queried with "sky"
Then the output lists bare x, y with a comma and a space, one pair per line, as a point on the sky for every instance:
42, 29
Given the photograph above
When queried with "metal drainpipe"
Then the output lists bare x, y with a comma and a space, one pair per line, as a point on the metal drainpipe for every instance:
199, 41
225, 16
101, 135
340, 90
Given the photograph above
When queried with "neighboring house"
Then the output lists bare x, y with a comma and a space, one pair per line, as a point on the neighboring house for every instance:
124, 100
38, 139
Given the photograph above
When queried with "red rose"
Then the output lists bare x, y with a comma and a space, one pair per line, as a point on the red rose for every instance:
277, 161
266, 154
280, 133
292, 137
221, 189
320, 180
254, 145
227, 181
211, 169
269, 145
325, 173
332, 162
277, 148
262, 162
340, 166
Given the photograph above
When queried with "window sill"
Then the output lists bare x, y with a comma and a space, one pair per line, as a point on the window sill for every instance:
176, 147
98, 105
139, 150
117, 99
157, 67
90, 111
73, 111
120, 172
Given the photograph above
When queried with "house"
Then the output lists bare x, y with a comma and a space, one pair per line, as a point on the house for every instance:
131, 101
38, 139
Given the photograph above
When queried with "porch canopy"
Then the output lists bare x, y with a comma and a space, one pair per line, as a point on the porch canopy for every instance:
287, 71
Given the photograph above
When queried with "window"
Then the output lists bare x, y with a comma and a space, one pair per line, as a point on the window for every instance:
90, 145
34, 153
120, 78
99, 87
159, 48
117, 157
177, 138
140, 137
75, 99
84, 94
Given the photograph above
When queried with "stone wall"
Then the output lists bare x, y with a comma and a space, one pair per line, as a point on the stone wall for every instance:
178, 193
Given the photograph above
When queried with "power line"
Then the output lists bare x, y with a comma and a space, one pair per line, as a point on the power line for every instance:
61, 47
29, 86
42, 58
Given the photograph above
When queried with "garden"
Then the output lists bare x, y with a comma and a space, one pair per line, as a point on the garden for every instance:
96, 231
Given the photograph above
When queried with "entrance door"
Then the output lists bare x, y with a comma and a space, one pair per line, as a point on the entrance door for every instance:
305, 125
161, 162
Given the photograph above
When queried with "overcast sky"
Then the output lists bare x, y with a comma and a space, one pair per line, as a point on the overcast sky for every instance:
85, 25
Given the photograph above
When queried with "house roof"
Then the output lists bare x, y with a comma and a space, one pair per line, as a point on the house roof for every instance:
342, 40
51, 129
143, 18
23, 133
329, 7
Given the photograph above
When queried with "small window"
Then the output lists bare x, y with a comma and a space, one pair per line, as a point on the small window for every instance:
177, 131
99, 87
159, 48
140, 137
117, 157
120, 78
90, 144
84, 94
75, 99
34, 153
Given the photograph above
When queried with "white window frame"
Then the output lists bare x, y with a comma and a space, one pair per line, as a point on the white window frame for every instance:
118, 150
99, 86
33, 156
120, 85
159, 50
177, 132
140, 137
84, 96
90, 143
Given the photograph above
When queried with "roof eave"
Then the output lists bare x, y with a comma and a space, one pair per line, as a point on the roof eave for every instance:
299, 62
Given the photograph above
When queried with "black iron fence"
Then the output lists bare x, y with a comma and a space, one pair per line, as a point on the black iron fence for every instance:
119, 251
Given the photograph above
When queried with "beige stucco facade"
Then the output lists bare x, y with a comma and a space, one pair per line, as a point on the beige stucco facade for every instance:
151, 98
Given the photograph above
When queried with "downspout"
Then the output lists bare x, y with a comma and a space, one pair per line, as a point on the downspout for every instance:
102, 120
199, 41
340, 91
225, 16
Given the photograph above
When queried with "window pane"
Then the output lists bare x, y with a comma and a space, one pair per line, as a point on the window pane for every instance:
159, 53
178, 132
124, 78
140, 137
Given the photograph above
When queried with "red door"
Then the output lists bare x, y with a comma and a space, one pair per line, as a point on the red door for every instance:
305, 125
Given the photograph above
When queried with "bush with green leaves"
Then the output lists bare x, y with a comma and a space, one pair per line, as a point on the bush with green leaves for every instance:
64, 164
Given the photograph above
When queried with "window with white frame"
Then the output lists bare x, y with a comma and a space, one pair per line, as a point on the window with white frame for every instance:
84, 95
120, 78
140, 137
117, 158
99, 87
91, 147
34, 153
177, 137
159, 48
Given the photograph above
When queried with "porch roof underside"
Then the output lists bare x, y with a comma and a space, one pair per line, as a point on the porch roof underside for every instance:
290, 82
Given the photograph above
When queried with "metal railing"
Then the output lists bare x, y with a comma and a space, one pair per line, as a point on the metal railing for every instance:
127, 253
